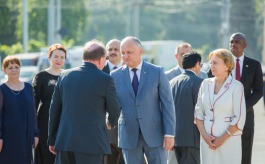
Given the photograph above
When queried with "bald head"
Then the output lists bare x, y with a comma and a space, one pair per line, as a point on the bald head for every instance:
93, 50
113, 51
180, 50
131, 49
132, 39
239, 35
237, 44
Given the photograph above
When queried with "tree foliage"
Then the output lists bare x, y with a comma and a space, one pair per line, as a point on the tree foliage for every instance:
196, 21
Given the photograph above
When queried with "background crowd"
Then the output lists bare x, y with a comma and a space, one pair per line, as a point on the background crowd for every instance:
126, 110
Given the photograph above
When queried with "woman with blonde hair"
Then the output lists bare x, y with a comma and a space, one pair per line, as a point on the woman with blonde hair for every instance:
220, 112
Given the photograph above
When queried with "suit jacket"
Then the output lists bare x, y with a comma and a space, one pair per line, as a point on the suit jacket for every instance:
78, 109
185, 88
177, 71
106, 68
252, 80
151, 110
113, 133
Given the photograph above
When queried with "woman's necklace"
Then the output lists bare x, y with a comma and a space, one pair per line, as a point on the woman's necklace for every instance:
15, 92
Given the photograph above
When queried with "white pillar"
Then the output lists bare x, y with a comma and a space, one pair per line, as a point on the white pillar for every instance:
225, 29
51, 22
58, 21
25, 34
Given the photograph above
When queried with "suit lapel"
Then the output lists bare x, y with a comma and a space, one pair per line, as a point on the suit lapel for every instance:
127, 79
224, 88
143, 77
245, 69
211, 85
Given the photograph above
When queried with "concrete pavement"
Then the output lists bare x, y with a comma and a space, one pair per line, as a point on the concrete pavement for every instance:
258, 153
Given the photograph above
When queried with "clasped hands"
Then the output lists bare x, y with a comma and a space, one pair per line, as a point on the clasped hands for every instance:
213, 142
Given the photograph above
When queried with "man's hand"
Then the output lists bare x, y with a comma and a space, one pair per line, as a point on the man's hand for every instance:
52, 150
36, 141
1, 145
168, 143
107, 123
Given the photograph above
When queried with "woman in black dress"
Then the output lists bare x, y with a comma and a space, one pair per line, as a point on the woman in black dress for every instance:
43, 84
18, 125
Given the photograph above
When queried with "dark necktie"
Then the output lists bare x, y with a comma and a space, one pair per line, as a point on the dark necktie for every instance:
135, 82
237, 70
115, 67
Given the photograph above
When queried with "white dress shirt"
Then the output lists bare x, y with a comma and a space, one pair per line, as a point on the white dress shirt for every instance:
138, 72
241, 61
111, 66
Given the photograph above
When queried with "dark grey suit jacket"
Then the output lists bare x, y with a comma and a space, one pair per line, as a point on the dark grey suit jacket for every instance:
252, 80
106, 69
78, 109
185, 88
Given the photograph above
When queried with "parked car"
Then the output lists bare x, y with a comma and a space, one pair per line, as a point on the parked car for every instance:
29, 59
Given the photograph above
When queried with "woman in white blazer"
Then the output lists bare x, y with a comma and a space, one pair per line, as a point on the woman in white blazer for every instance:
220, 112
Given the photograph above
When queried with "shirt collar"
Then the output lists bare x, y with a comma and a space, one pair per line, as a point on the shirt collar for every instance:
139, 67
241, 58
112, 65
181, 69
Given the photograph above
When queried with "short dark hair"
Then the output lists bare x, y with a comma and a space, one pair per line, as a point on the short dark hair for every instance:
93, 50
189, 60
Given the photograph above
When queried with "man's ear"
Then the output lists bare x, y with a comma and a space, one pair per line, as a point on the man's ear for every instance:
176, 56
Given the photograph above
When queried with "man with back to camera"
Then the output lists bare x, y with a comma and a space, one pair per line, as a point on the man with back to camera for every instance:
114, 62
248, 72
147, 121
180, 50
82, 96
185, 88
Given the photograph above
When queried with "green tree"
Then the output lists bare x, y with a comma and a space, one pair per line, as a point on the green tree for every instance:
243, 19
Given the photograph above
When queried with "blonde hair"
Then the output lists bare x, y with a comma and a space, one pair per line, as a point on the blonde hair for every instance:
226, 56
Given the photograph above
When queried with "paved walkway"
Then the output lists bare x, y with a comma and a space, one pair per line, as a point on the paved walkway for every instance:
258, 156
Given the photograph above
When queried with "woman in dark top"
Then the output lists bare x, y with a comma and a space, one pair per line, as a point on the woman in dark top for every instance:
43, 84
18, 125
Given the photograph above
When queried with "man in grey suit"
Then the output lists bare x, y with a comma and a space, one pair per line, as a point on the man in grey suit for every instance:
179, 52
185, 88
82, 96
147, 121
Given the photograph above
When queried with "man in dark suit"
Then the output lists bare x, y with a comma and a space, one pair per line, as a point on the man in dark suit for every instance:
82, 96
250, 74
114, 56
114, 62
147, 121
185, 88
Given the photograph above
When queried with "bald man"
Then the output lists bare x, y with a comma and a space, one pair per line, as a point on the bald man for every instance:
82, 96
250, 75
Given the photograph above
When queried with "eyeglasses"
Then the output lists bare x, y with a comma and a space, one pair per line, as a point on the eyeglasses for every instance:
201, 65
